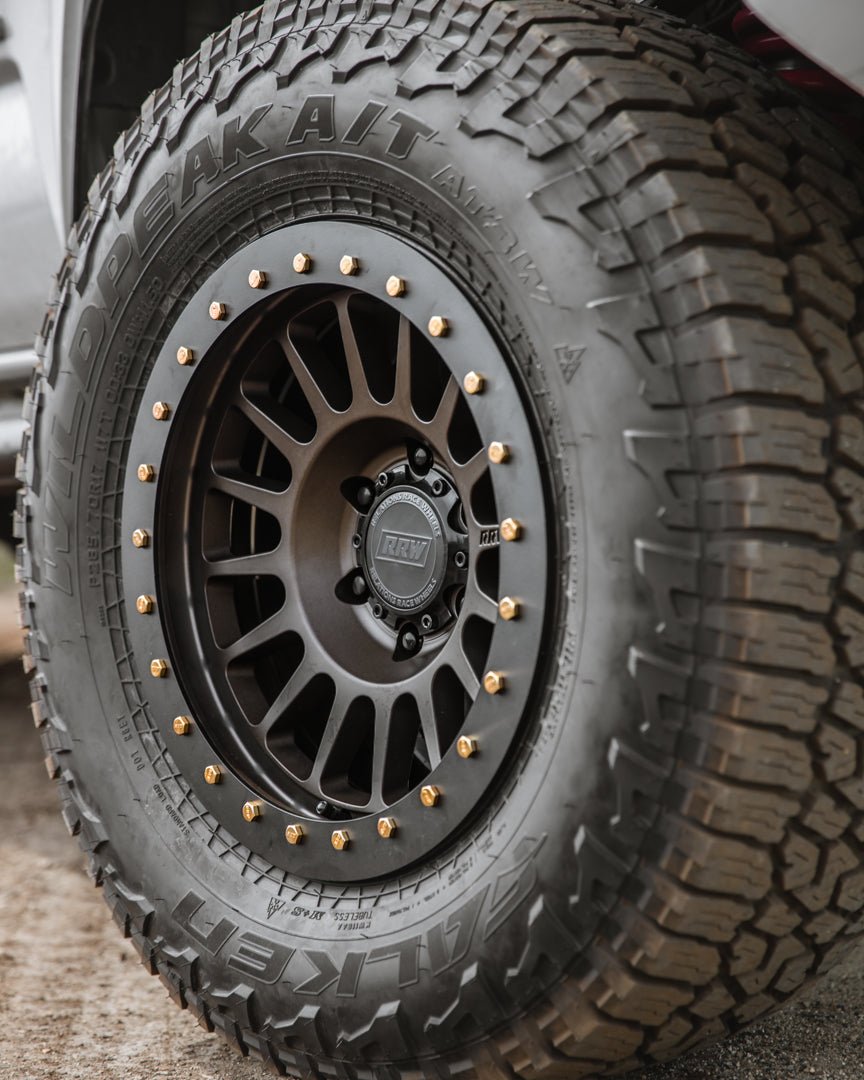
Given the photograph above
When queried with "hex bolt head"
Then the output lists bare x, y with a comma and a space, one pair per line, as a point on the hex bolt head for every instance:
386, 827
182, 725
493, 682
430, 795
439, 326
427, 622
383, 480
146, 474
217, 310
302, 264
141, 538
498, 453
349, 265
294, 834
396, 286
161, 410
474, 383
509, 608
159, 669
185, 355
511, 529
340, 839
257, 279
213, 774
460, 560
251, 810
144, 604
466, 746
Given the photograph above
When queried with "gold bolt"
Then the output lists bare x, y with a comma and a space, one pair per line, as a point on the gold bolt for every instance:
217, 310
508, 608
466, 746
294, 834
257, 279
302, 265
396, 286
146, 474
349, 266
141, 538
182, 725
161, 410
340, 839
386, 827
158, 668
474, 383
511, 529
185, 355
213, 774
251, 809
438, 326
499, 452
429, 795
144, 604
493, 682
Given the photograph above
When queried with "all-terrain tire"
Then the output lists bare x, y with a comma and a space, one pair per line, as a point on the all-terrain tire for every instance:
671, 246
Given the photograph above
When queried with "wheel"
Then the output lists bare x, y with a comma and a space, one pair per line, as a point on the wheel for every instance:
440, 538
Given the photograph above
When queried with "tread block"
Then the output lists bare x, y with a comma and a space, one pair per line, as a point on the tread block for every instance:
730, 356
706, 279
775, 502
754, 755
771, 572
751, 635
751, 435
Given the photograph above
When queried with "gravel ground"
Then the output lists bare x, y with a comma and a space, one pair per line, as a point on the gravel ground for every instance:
75, 1003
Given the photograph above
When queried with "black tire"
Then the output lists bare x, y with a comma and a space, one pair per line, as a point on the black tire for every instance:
666, 240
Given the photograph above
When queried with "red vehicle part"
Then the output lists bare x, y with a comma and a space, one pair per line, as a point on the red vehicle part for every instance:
832, 95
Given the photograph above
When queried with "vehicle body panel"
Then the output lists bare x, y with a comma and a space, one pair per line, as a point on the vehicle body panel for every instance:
830, 32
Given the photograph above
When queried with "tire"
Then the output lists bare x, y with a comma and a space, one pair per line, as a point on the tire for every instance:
661, 241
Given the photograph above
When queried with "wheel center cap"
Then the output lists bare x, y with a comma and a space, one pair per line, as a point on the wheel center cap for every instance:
405, 551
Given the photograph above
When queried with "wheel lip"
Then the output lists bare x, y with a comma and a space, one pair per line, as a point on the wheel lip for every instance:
522, 565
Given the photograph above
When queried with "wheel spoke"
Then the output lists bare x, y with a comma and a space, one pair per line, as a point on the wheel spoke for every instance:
446, 407
402, 388
311, 390
476, 602
267, 499
429, 727
329, 740
298, 682
467, 475
356, 371
270, 428
454, 657
263, 633
264, 562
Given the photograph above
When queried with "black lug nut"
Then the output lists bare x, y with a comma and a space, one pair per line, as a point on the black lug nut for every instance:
364, 496
323, 809
410, 641
420, 458
358, 586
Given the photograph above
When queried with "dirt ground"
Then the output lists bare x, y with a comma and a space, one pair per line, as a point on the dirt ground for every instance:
75, 1004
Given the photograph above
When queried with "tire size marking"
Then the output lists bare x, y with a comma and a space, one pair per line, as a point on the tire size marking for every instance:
171, 810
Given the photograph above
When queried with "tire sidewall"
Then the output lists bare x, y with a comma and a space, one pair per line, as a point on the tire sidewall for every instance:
512, 888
